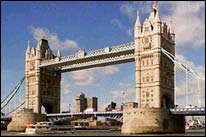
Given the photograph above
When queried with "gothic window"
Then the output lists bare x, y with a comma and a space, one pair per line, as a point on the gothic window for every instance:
147, 94
146, 40
32, 66
147, 62
152, 61
147, 78
143, 63
152, 27
151, 78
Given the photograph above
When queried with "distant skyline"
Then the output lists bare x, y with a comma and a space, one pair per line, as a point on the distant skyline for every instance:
96, 25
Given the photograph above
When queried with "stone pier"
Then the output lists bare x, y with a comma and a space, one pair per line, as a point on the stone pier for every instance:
19, 121
151, 120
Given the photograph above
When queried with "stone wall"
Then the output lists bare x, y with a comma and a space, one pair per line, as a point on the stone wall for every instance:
151, 120
19, 121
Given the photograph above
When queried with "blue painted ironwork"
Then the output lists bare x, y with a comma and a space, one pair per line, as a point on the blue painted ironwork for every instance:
11, 95
187, 111
90, 54
187, 68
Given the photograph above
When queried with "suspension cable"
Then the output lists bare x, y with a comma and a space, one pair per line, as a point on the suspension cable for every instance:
11, 95
16, 108
181, 65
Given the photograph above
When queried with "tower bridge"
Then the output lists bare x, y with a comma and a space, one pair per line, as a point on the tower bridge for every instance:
153, 52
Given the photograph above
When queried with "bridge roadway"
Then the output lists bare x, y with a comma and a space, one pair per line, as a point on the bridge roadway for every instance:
173, 111
82, 60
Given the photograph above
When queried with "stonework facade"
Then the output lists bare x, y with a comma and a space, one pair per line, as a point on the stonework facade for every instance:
154, 79
42, 84
154, 71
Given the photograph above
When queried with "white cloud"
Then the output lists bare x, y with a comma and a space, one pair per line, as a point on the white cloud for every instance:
89, 76
70, 44
195, 92
124, 95
130, 9
65, 86
130, 32
125, 85
83, 77
109, 70
188, 21
117, 23
53, 39
199, 69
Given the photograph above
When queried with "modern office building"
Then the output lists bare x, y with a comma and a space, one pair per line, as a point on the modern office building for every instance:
83, 103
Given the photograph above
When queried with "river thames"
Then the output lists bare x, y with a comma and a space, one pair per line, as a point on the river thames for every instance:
104, 133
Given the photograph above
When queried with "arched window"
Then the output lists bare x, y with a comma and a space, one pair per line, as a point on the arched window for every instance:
147, 78
147, 94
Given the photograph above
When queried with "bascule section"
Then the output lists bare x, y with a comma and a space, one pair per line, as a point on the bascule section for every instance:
42, 84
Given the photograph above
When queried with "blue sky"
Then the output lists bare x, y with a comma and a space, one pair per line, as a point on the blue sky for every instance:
91, 26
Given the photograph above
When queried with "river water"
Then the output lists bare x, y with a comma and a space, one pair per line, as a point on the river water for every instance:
104, 133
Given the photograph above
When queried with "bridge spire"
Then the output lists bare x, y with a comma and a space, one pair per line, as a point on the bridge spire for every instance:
138, 23
28, 47
138, 26
155, 6
171, 28
59, 52
171, 31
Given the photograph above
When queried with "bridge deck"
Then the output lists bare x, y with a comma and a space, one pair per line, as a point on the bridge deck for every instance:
83, 60
173, 111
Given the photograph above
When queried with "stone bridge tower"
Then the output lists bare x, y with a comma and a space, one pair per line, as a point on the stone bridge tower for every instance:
154, 71
42, 84
154, 79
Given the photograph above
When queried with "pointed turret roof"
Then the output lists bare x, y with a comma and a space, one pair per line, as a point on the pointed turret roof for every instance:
171, 28
28, 47
157, 17
155, 6
59, 52
154, 16
137, 23
38, 45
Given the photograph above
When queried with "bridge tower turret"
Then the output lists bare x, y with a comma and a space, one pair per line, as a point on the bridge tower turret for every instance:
154, 79
154, 71
42, 84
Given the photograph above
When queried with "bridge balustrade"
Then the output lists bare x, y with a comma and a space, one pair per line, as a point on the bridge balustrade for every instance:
114, 49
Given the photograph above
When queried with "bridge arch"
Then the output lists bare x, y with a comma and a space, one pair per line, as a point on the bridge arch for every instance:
47, 107
166, 101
